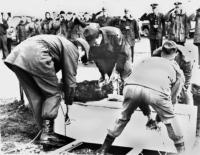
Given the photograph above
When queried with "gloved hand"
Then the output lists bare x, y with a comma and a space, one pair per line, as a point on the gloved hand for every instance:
69, 96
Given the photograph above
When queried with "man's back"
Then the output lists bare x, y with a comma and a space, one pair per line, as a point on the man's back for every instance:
156, 73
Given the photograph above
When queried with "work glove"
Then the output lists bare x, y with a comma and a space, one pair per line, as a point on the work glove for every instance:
69, 96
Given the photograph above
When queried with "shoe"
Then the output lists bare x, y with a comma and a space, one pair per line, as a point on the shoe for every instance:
106, 145
49, 137
151, 124
102, 78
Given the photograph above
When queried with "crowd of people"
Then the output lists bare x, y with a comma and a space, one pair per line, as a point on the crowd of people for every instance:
59, 40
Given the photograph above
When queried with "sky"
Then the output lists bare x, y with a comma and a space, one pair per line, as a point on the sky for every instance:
114, 7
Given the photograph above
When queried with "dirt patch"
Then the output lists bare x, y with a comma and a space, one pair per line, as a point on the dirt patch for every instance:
18, 128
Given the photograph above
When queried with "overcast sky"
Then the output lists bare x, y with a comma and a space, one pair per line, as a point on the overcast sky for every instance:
114, 7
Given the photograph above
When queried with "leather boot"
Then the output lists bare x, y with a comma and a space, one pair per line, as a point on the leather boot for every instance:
106, 145
180, 147
48, 136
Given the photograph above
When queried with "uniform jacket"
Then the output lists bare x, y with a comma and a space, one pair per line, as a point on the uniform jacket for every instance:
77, 28
44, 56
130, 30
46, 26
112, 50
22, 33
156, 23
184, 59
178, 26
197, 31
169, 82
3, 27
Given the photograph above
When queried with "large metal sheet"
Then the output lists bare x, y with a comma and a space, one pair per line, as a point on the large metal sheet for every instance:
90, 124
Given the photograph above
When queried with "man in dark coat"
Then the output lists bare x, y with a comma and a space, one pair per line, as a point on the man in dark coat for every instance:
130, 30
197, 33
160, 92
35, 62
178, 27
157, 27
3, 36
46, 24
109, 49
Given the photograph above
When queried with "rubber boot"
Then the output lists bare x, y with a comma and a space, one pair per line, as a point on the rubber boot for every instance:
106, 145
49, 137
180, 147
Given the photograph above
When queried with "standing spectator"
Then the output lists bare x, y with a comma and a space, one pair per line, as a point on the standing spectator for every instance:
63, 24
197, 43
45, 25
157, 27
10, 32
178, 24
32, 28
77, 28
130, 30
55, 24
197, 34
3, 36
104, 19
22, 30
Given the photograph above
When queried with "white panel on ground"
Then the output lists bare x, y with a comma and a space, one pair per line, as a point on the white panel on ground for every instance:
90, 123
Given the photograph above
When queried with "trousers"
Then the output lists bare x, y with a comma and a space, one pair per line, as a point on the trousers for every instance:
43, 94
134, 95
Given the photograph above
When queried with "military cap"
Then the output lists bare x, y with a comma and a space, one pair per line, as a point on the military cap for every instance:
84, 44
90, 33
62, 12
69, 12
154, 5
177, 3
103, 9
198, 10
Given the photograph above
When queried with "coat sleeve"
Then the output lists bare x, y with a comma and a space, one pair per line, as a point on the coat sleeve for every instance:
69, 71
179, 83
122, 52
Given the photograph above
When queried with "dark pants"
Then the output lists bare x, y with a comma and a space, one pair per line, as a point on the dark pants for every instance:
199, 56
154, 44
3, 43
44, 95
9, 44
132, 53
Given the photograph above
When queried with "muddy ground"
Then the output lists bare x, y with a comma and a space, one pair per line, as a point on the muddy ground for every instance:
18, 129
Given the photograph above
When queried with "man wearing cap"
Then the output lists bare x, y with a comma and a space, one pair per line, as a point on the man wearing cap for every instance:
197, 34
109, 49
103, 19
35, 62
185, 60
178, 24
157, 27
160, 92
130, 30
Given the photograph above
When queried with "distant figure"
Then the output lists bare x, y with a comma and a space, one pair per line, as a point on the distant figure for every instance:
157, 27
130, 30
3, 36
197, 34
178, 24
